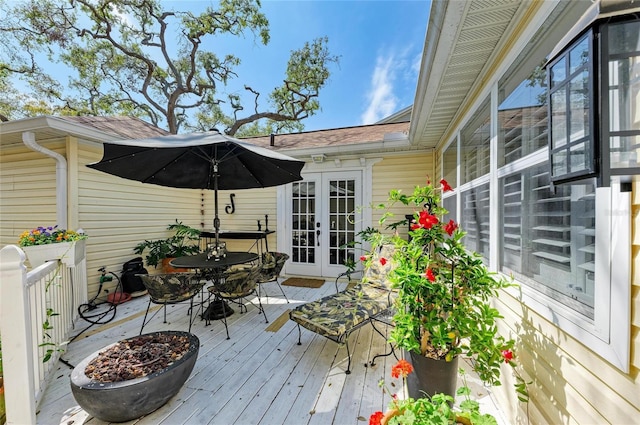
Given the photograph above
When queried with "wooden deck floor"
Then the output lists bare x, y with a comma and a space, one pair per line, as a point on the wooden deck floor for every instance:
256, 377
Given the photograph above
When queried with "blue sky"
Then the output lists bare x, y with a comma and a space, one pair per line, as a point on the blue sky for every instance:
379, 43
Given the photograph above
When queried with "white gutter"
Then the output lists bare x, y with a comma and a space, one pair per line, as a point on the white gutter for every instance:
29, 139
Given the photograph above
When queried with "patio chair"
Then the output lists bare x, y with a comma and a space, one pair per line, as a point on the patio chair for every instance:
236, 284
272, 264
337, 316
171, 288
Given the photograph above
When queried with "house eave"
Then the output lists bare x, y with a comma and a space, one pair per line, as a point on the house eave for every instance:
462, 43
48, 128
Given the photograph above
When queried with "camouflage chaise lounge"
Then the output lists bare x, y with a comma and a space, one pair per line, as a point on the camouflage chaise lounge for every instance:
337, 316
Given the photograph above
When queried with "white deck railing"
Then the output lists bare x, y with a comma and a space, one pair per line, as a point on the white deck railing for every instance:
25, 300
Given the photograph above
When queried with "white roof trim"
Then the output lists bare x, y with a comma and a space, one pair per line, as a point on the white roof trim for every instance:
55, 123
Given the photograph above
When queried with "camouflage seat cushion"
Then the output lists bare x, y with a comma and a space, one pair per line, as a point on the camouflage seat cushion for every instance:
167, 288
336, 316
272, 264
237, 282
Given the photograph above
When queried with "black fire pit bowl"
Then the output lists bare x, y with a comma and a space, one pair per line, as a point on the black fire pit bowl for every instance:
126, 400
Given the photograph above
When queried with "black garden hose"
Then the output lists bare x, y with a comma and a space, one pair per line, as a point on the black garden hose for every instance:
98, 318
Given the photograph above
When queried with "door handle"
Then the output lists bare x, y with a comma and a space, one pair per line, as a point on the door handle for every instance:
318, 233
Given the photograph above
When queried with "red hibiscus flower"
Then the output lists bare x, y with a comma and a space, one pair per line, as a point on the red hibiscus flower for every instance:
383, 261
450, 227
402, 368
507, 355
376, 418
427, 220
363, 258
430, 275
445, 186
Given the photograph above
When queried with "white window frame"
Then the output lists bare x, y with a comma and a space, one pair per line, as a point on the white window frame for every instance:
608, 334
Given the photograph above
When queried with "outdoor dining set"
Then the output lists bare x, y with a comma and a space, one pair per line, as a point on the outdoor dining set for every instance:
209, 161
219, 277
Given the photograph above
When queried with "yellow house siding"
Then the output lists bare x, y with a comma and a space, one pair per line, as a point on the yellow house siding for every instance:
72, 149
27, 190
402, 172
569, 380
251, 205
118, 213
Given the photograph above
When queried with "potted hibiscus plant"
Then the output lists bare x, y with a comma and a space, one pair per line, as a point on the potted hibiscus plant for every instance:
443, 307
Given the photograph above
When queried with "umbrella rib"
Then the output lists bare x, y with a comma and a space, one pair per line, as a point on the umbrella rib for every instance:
249, 171
163, 166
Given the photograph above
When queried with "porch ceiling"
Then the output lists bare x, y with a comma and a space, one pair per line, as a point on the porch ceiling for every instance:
462, 38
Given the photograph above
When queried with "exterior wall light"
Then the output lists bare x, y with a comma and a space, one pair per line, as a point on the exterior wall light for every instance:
318, 158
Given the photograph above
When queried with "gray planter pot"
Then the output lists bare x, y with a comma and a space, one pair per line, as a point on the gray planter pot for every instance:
126, 400
431, 376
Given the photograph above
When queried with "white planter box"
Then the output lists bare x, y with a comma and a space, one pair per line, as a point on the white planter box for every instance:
70, 253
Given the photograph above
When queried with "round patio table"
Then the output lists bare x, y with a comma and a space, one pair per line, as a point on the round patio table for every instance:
200, 261
213, 268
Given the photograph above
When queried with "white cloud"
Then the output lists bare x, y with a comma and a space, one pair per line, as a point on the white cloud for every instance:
380, 97
393, 83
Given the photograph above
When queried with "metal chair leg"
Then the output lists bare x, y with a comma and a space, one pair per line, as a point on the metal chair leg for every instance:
262, 310
144, 321
392, 350
224, 317
190, 315
348, 371
282, 290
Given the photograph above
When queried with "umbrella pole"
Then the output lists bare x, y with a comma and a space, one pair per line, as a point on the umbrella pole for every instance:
216, 219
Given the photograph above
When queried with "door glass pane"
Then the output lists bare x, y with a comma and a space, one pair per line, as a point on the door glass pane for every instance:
625, 151
579, 55
559, 72
341, 225
579, 92
571, 140
559, 119
624, 38
624, 94
303, 228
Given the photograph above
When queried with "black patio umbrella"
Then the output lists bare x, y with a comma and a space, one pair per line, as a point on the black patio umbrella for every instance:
204, 160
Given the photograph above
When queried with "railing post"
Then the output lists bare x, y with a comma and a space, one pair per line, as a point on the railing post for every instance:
17, 349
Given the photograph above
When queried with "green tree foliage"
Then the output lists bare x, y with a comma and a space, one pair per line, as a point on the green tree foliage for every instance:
133, 57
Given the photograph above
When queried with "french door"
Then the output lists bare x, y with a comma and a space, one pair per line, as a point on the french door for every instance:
325, 217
